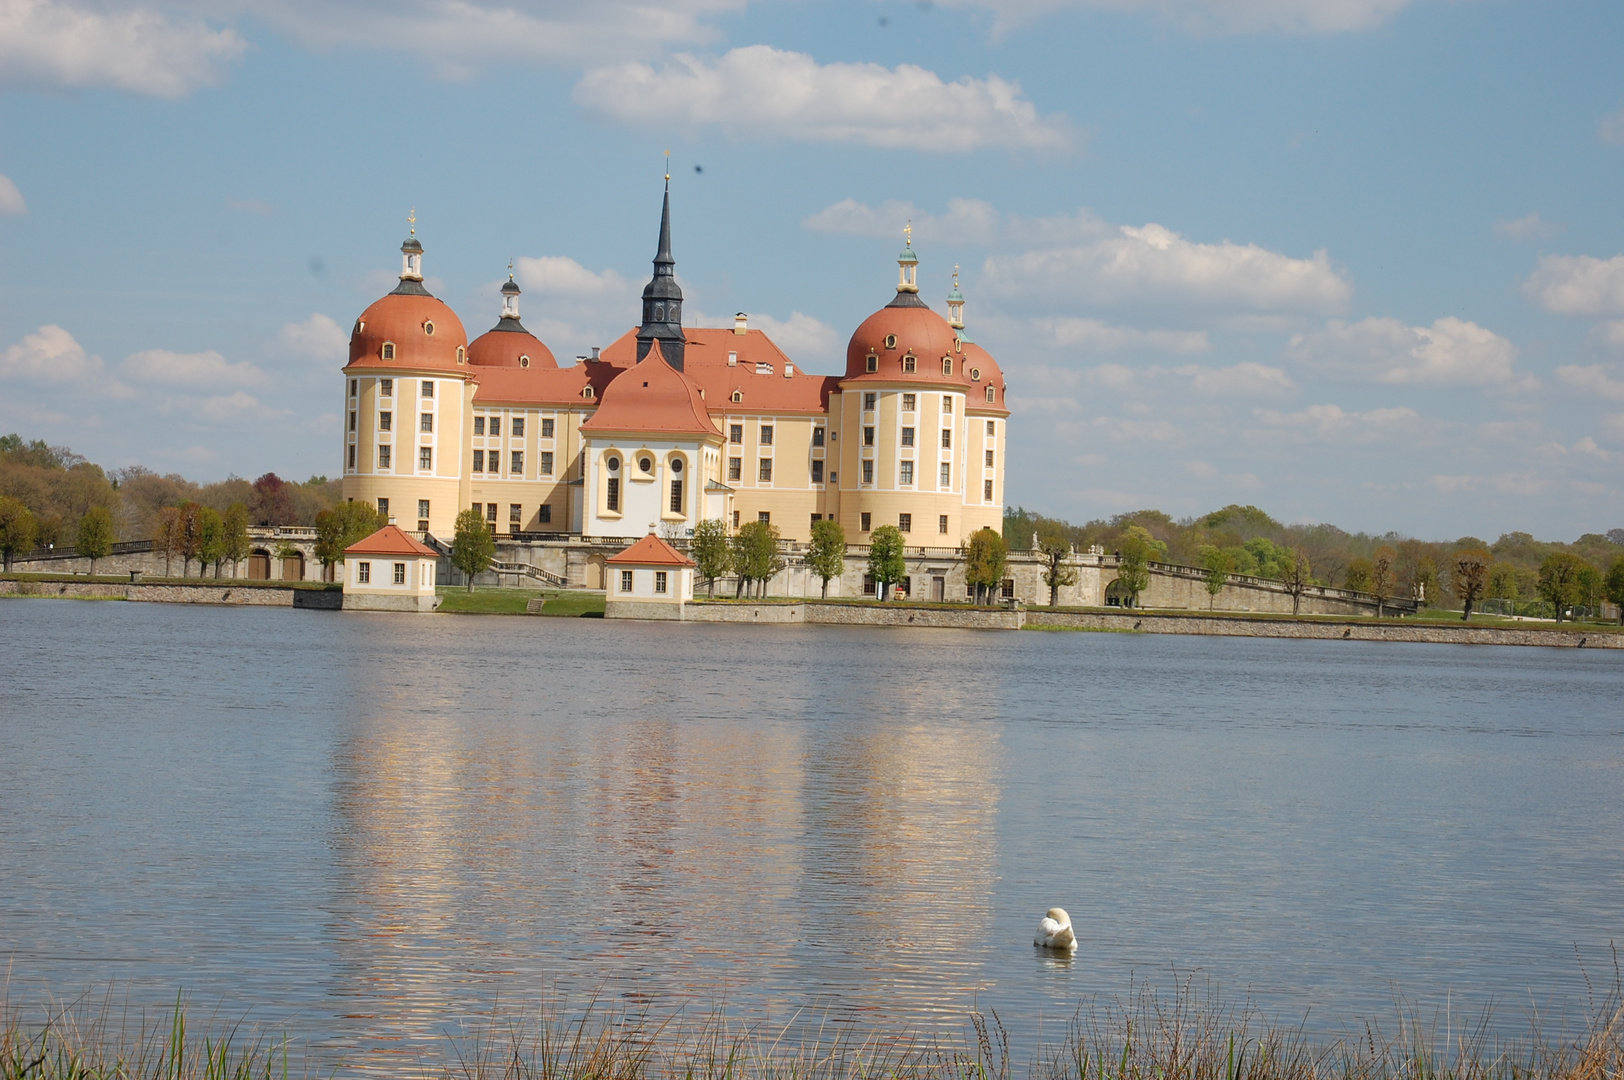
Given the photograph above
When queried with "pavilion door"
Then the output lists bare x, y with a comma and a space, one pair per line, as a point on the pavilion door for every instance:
259, 567
938, 589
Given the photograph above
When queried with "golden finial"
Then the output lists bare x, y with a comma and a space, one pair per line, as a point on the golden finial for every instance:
955, 275
411, 219
510, 271
907, 231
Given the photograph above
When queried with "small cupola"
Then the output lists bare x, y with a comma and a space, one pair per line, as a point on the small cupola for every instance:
955, 304
908, 264
510, 296
411, 253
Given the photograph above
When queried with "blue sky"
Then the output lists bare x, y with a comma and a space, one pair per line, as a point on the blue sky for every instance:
1357, 261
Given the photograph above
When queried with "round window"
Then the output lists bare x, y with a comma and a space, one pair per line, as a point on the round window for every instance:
614, 464
975, 374
524, 361
890, 341
646, 464
676, 465
428, 328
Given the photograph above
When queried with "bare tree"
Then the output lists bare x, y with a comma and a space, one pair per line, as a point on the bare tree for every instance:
1469, 569
1381, 575
1297, 577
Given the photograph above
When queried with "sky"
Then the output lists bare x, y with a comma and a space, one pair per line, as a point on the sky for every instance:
1352, 261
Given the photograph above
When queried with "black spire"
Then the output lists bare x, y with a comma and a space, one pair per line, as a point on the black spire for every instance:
662, 298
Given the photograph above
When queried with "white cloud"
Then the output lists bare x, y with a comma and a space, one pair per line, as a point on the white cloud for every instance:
1532, 227
198, 370
49, 355
801, 336
252, 206
1218, 16
318, 337
1155, 264
1451, 352
560, 275
46, 43
1594, 380
1246, 379
1611, 129
761, 92
1609, 335
1507, 483
967, 221
1578, 285
1095, 336
11, 200
1332, 421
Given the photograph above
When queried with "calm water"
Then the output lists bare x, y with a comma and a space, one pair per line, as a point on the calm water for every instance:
362, 828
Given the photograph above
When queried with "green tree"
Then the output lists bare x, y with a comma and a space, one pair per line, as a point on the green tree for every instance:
16, 529
1055, 547
827, 554
755, 556
1359, 576
1613, 586
211, 540
1297, 576
95, 535
1502, 582
886, 564
709, 550
187, 537
339, 527
1469, 573
985, 557
1381, 575
1218, 564
472, 548
1134, 554
236, 545
1559, 580
1589, 587
166, 534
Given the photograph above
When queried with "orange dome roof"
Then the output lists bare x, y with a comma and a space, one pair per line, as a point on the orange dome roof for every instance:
983, 373
898, 330
421, 330
510, 346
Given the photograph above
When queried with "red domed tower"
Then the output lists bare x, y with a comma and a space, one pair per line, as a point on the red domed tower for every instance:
912, 431
406, 399
508, 343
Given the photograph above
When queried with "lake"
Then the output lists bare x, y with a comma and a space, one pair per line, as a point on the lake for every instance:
362, 829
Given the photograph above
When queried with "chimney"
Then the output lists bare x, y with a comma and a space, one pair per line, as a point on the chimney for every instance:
594, 354
789, 370
741, 323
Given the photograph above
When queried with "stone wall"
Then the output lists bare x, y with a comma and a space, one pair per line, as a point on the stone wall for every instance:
231, 594
150, 563
810, 611
1230, 626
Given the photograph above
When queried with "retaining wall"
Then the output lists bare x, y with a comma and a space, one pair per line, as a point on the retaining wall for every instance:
230, 594
1359, 630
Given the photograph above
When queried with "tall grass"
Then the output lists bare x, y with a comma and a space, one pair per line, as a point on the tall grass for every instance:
1189, 1034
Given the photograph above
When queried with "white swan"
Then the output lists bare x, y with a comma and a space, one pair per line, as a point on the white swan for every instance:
1054, 931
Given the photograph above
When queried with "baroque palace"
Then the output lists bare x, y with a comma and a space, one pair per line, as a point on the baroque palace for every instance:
670, 425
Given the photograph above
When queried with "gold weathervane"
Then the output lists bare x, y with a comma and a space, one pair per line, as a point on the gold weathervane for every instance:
955, 275
411, 219
510, 271
907, 231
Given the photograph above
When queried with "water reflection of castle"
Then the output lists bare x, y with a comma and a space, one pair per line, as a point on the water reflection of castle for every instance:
637, 846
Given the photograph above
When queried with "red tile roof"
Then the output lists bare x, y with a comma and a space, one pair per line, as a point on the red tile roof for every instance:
651, 551
390, 540
402, 319
653, 397
767, 390
541, 386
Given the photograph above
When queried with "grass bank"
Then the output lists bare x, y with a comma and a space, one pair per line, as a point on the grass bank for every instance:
1188, 1035
487, 601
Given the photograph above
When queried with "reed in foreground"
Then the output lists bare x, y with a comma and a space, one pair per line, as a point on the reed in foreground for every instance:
1189, 1034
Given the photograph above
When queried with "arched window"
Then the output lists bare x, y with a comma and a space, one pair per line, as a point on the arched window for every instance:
389, 350
738, 396
460, 356
947, 365
909, 364
991, 395
587, 392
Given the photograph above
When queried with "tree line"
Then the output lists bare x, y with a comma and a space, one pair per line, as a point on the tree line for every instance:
1525, 575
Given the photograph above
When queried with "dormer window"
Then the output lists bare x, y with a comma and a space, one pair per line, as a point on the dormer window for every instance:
587, 392
763, 368
873, 362
890, 341
991, 395
460, 354
428, 327
389, 350
524, 361
738, 396
947, 365
909, 364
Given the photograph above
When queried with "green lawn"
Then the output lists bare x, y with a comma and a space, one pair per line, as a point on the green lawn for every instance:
484, 601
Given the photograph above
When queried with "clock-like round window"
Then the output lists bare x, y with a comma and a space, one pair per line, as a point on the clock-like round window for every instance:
646, 464
890, 341
524, 361
975, 374
614, 464
428, 328
676, 465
